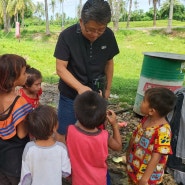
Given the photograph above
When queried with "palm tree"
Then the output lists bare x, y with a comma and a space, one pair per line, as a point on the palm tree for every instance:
62, 5
178, 8
136, 3
155, 10
129, 14
169, 28
47, 18
123, 11
116, 8
16, 7
6, 18
79, 8
13, 8
39, 9
60, 1
53, 4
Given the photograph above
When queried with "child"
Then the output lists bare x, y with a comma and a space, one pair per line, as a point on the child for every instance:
150, 143
32, 90
88, 145
44, 160
13, 110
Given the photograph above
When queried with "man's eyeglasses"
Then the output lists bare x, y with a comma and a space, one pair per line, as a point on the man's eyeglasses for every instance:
93, 31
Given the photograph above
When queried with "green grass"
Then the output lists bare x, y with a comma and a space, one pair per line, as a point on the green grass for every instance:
38, 49
145, 24
128, 63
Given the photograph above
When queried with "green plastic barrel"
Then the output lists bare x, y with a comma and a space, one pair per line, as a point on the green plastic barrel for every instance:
159, 70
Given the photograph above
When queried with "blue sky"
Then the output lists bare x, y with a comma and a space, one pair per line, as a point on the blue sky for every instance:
70, 6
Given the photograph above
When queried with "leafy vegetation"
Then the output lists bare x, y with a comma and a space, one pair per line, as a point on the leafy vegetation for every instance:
38, 49
34, 13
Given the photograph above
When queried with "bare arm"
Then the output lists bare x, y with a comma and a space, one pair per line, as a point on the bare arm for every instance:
115, 140
21, 130
109, 69
68, 78
150, 168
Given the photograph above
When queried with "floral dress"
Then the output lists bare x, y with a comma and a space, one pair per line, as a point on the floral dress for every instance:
145, 142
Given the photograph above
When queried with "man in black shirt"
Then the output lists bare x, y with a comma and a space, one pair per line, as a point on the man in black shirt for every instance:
84, 53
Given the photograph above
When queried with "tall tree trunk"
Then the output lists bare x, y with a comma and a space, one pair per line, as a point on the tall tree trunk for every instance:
79, 8
155, 13
47, 19
22, 16
62, 15
5, 16
116, 14
115, 6
129, 14
111, 6
62, 8
170, 19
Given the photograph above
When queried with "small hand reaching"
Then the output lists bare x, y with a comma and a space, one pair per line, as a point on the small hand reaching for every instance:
115, 142
111, 116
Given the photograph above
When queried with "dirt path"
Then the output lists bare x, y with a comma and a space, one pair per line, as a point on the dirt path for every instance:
116, 166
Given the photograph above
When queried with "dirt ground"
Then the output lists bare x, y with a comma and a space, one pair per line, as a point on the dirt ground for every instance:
116, 160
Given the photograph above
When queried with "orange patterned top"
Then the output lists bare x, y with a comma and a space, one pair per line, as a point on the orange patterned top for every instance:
15, 115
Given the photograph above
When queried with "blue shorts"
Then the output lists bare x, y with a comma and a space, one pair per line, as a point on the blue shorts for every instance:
66, 115
108, 178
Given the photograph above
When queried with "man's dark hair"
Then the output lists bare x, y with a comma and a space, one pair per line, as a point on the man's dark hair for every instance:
41, 121
96, 10
161, 99
90, 109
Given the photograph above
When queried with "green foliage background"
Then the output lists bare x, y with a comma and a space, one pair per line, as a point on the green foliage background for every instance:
38, 50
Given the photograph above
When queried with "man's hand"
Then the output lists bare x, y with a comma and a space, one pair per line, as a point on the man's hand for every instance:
83, 89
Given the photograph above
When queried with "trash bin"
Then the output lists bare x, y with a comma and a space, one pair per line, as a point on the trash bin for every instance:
159, 70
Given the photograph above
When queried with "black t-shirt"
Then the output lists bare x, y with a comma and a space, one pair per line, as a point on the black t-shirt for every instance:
73, 47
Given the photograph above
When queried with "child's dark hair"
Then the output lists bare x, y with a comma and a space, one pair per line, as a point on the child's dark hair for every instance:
41, 121
10, 70
161, 99
32, 75
90, 109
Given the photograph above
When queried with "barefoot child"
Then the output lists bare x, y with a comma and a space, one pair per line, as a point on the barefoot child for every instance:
45, 161
150, 144
13, 110
88, 145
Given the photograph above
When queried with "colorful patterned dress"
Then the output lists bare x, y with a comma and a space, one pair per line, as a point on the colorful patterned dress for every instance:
145, 142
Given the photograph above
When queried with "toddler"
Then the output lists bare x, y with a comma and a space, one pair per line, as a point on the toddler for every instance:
32, 90
150, 143
44, 161
88, 145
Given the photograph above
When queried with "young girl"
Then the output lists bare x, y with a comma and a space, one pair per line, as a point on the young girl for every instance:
88, 145
150, 143
32, 90
44, 160
13, 110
